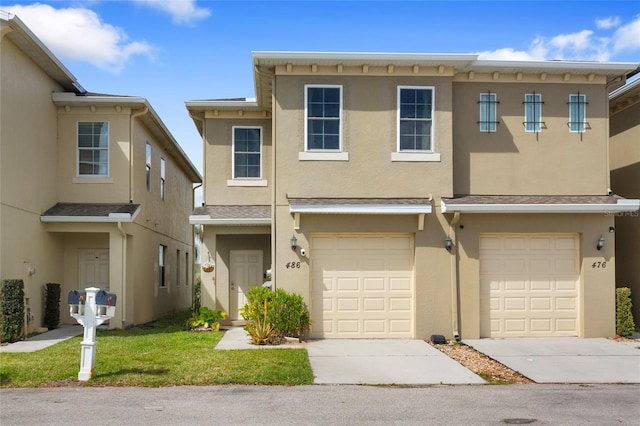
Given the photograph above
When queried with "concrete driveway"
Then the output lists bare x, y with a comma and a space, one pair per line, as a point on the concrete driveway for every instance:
566, 359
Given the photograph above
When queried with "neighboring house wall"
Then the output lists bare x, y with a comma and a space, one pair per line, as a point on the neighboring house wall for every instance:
625, 180
28, 167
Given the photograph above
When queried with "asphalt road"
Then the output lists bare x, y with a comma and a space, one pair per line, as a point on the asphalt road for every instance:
323, 405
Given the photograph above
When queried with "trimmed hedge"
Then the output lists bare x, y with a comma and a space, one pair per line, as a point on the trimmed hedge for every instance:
624, 318
52, 306
11, 310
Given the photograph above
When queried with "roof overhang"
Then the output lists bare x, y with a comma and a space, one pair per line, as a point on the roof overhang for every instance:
391, 206
236, 215
91, 213
541, 204
208, 220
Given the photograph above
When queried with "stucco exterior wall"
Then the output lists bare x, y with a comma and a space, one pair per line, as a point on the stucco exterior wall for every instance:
511, 161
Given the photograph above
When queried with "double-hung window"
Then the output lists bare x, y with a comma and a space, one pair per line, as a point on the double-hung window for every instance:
533, 112
247, 152
93, 148
163, 177
415, 119
148, 166
488, 104
577, 113
323, 116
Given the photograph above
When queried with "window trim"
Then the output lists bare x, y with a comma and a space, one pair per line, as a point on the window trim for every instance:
101, 178
309, 152
432, 120
491, 106
163, 178
148, 156
537, 102
582, 125
245, 181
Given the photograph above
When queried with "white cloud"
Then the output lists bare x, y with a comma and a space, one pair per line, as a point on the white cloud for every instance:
507, 54
79, 34
627, 37
608, 23
181, 11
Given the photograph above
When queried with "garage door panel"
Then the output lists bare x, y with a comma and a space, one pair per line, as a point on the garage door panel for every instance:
529, 285
372, 296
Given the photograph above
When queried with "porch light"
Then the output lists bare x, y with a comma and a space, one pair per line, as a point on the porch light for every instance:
447, 243
294, 242
600, 243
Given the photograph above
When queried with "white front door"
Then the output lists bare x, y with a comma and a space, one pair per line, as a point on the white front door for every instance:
245, 272
94, 268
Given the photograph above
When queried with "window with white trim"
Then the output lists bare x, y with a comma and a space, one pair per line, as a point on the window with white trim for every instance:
323, 117
247, 152
533, 112
415, 119
577, 113
488, 104
163, 177
148, 166
93, 148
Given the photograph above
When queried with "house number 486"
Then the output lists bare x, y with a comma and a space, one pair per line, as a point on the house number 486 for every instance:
599, 265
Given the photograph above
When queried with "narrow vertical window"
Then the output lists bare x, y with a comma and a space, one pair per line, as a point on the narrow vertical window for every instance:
161, 266
323, 110
178, 259
533, 112
415, 119
488, 112
148, 166
163, 171
247, 152
187, 267
577, 113
93, 148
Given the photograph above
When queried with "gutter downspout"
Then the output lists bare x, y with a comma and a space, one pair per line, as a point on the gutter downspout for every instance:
454, 277
124, 273
273, 184
131, 122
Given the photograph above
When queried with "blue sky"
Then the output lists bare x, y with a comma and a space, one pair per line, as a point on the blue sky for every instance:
171, 51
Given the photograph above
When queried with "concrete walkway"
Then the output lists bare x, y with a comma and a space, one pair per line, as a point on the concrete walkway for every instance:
566, 359
44, 340
369, 361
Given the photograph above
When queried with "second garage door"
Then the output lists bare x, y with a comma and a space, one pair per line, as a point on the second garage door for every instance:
529, 285
361, 286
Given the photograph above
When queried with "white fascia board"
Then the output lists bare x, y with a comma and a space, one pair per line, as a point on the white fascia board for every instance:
112, 218
249, 102
361, 209
620, 206
67, 98
208, 220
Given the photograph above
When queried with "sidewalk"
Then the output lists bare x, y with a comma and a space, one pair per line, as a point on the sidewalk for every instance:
44, 340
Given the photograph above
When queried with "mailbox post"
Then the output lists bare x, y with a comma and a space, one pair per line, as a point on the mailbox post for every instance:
91, 308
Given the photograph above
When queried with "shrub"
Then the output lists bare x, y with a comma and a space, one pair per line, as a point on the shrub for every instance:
285, 314
206, 319
197, 294
624, 318
11, 309
52, 306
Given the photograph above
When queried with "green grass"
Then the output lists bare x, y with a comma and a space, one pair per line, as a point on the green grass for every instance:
156, 354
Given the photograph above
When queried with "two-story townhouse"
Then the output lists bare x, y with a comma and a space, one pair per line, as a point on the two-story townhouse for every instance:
624, 110
94, 189
405, 195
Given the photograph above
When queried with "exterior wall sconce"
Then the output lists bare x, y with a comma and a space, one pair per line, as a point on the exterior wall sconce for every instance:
294, 242
448, 243
600, 243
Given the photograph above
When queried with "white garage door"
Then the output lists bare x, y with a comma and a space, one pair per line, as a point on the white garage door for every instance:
361, 286
529, 285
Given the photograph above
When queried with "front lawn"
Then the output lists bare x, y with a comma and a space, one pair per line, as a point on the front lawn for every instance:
156, 354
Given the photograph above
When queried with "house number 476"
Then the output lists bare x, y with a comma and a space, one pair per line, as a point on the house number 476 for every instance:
599, 265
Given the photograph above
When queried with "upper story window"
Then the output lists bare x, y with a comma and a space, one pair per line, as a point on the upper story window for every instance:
488, 104
163, 177
415, 118
247, 152
148, 166
533, 112
323, 116
577, 113
93, 148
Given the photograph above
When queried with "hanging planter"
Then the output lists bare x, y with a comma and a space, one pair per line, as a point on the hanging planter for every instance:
208, 266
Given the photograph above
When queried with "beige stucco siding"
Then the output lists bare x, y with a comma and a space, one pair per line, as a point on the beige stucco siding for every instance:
368, 135
512, 161
218, 163
596, 300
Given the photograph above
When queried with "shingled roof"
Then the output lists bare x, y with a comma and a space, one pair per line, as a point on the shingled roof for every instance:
91, 212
